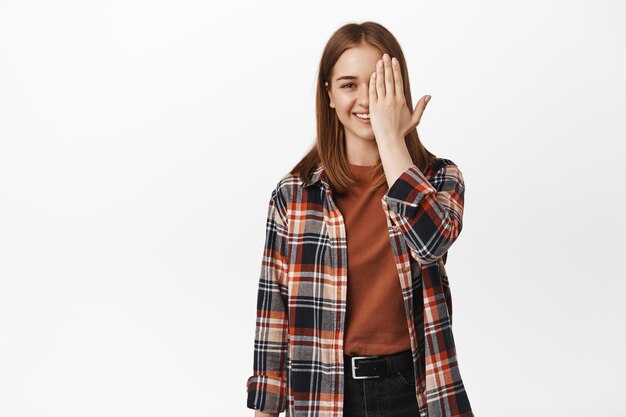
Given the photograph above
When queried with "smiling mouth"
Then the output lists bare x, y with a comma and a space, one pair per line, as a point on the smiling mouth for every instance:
362, 119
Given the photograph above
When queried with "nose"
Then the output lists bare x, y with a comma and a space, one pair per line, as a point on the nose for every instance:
363, 98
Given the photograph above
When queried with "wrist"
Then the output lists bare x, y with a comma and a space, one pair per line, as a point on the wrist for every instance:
389, 141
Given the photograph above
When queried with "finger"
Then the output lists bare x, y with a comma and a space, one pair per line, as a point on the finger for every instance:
380, 79
397, 76
372, 90
419, 110
389, 88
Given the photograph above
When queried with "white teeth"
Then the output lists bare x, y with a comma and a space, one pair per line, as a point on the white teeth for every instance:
362, 115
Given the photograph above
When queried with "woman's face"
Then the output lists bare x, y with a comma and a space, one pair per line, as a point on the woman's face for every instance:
349, 89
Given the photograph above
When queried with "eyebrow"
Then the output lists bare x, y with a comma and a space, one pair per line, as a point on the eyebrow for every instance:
347, 77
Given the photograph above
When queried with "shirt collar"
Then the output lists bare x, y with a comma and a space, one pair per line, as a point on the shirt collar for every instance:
318, 175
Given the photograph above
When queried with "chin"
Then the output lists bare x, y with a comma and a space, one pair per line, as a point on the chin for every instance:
362, 132
369, 135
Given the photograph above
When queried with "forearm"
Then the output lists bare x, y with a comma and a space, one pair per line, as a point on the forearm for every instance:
395, 158
428, 211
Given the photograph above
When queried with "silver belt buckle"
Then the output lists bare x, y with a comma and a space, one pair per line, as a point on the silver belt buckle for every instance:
354, 368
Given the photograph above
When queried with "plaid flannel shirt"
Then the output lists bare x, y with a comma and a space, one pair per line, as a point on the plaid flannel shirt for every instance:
301, 305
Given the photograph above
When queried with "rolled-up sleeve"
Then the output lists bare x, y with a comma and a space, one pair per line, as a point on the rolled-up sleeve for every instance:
427, 211
267, 387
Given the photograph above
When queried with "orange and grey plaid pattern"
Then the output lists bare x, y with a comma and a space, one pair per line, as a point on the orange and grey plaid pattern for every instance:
301, 305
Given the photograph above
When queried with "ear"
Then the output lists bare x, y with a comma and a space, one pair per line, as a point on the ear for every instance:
329, 95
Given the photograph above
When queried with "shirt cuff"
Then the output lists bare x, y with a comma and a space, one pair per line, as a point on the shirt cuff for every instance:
266, 394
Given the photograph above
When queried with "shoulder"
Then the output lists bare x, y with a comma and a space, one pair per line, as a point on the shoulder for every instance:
289, 181
285, 189
292, 186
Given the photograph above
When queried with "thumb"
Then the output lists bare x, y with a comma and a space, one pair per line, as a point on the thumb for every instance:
419, 110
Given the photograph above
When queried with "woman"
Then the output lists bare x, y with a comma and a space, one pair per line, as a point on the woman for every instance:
354, 307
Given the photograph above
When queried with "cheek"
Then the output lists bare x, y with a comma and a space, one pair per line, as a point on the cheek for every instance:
344, 104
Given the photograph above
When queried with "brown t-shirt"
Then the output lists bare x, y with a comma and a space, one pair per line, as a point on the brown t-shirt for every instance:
375, 319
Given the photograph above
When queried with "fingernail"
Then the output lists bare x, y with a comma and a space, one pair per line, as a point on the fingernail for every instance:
427, 99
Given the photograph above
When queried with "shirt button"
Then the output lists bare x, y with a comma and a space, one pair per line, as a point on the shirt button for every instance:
395, 227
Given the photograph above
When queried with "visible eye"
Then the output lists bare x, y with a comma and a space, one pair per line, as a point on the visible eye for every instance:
347, 85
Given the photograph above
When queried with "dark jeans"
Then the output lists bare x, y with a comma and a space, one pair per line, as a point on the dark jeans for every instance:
388, 396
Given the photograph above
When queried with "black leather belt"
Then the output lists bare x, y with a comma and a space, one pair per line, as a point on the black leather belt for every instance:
376, 366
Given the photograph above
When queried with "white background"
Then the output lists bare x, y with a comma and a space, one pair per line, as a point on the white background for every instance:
140, 142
